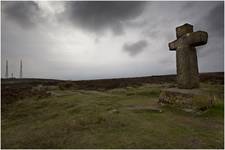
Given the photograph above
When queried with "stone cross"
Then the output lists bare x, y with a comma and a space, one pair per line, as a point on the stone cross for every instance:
186, 57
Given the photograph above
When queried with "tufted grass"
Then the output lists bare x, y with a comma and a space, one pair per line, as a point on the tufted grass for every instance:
86, 119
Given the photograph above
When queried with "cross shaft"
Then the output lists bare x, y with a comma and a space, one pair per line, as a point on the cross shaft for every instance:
186, 56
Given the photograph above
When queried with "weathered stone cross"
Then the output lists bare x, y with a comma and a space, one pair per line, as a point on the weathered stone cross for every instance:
186, 57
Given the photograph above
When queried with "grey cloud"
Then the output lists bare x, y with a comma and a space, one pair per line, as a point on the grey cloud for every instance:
53, 48
215, 19
151, 33
135, 48
211, 48
188, 5
100, 16
24, 13
213, 51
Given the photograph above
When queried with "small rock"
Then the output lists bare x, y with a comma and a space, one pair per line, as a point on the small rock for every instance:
113, 111
188, 110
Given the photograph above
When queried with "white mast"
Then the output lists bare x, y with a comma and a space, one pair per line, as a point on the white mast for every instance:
21, 69
6, 70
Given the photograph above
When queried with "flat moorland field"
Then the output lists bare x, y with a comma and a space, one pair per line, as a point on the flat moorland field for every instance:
76, 118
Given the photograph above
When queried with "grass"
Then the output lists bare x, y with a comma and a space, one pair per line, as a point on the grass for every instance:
85, 119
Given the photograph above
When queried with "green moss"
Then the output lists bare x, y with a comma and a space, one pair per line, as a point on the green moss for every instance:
215, 111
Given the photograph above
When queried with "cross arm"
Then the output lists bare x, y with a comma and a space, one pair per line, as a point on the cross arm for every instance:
173, 45
197, 38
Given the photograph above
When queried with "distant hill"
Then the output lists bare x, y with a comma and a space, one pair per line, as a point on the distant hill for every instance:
215, 77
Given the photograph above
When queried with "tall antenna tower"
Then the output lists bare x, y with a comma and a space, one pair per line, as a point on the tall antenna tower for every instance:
6, 70
21, 69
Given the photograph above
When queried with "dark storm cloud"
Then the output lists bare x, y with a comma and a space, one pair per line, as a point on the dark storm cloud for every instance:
214, 23
135, 48
99, 16
24, 13
215, 19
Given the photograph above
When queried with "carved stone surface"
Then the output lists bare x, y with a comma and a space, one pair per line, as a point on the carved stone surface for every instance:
186, 56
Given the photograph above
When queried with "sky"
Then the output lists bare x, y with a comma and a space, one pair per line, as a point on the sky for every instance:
77, 40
